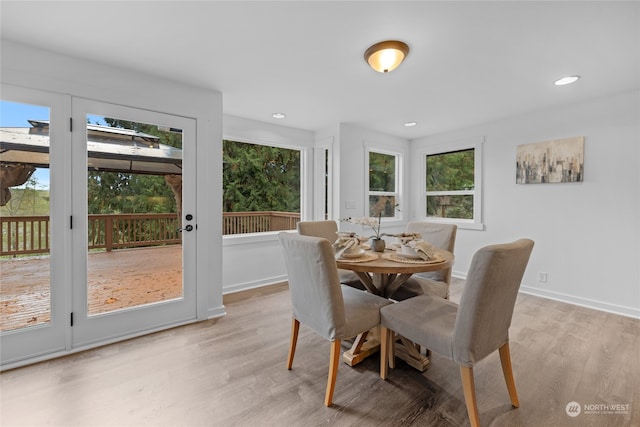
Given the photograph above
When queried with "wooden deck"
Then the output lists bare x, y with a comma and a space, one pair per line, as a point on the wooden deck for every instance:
117, 279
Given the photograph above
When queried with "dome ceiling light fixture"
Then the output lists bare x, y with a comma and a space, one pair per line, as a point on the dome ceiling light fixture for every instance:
387, 55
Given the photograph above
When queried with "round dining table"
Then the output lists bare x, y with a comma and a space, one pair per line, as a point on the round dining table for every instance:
382, 274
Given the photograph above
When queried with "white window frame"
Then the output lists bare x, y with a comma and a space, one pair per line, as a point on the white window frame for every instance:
399, 187
232, 239
476, 144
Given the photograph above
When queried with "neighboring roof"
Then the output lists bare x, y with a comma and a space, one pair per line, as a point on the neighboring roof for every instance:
108, 149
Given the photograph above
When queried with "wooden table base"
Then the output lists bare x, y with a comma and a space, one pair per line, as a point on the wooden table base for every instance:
367, 344
410, 353
362, 348
383, 276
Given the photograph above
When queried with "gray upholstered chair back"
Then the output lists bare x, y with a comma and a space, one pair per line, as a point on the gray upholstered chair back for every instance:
329, 230
316, 294
442, 236
488, 299
326, 229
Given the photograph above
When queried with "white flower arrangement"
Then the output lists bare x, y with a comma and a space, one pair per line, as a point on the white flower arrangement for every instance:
373, 223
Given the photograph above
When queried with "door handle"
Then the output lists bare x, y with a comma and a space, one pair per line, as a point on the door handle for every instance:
188, 227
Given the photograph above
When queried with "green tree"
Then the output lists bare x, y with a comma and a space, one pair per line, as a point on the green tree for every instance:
260, 178
27, 199
382, 177
382, 172
117, 192
450, 172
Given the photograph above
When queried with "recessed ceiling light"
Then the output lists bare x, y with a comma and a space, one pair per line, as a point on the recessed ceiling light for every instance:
567, 80
410, 124
279, 115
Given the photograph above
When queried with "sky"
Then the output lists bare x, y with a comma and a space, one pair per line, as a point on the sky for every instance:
14, 114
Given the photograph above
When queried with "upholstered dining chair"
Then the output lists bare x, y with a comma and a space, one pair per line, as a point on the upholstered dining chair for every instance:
436, 283
328, 229
468, 332
319, 301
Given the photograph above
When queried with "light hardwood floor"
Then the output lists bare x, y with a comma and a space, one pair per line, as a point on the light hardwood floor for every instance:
231, 372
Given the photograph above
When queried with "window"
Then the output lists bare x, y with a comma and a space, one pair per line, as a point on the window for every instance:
384, 193
322, 179
452, 185
261, 188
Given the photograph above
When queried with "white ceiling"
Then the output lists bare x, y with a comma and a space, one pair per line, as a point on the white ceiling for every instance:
470, 62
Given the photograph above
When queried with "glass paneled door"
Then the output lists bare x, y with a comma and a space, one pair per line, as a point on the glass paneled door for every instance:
33, 267
134, 225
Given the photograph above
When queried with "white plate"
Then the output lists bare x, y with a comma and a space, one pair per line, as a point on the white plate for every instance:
408, 256
354, 254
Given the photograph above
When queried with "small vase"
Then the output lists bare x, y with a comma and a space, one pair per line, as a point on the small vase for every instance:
378, 245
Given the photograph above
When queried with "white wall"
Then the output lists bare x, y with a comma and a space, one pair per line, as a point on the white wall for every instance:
587, 234
33, 68
352, 145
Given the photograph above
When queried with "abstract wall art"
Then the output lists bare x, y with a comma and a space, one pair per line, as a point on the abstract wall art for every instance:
558, 160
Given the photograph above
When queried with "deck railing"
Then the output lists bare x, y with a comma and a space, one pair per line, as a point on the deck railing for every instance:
258, 222
132, 230
25, 235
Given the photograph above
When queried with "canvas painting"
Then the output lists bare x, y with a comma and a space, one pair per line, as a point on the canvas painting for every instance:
559, 160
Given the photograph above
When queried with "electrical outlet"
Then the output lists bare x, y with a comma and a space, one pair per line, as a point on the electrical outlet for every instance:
542, 277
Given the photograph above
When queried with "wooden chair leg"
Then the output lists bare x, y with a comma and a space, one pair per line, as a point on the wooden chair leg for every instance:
505, 359
384, 351
334, 361
469, 389
295, 327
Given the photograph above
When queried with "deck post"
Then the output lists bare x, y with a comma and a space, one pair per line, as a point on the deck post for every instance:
108, 233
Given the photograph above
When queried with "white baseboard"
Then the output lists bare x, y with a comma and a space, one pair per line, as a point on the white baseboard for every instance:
252, 285
583, 302
569, 299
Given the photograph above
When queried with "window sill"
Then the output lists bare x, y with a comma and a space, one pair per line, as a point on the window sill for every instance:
461, 223
243, 239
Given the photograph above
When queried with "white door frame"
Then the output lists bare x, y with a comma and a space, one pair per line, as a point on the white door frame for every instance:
55, 336
107, 327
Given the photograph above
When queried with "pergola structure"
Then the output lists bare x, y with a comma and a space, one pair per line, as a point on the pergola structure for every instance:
109, 149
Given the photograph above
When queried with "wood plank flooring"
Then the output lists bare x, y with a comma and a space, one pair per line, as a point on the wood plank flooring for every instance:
231, 372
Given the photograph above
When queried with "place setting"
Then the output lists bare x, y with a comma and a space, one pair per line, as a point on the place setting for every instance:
412, 249
351, 248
